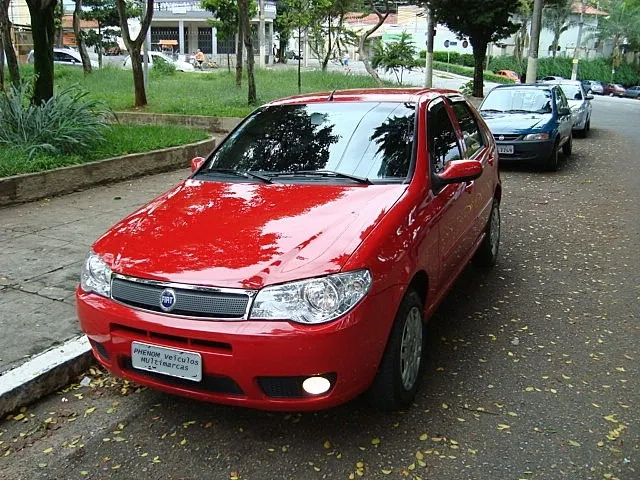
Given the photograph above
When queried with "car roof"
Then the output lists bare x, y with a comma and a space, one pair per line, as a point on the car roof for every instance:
544, 86
398, 95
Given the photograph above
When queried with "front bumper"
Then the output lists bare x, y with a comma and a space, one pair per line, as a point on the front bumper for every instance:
257, 364
535, 152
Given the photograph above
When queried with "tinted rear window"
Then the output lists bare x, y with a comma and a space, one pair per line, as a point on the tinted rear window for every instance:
367, 139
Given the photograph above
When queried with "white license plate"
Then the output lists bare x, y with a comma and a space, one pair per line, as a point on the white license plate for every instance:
505, 149
167, 361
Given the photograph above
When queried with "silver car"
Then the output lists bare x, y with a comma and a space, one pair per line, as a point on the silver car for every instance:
593, 86
580, 104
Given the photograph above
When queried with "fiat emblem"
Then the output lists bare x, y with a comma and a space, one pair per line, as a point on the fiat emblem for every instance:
167, 300
501, 137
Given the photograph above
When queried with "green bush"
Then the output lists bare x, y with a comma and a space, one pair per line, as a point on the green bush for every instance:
68, 122
163, 69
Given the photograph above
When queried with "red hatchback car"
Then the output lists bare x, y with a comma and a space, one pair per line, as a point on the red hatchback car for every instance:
296, 267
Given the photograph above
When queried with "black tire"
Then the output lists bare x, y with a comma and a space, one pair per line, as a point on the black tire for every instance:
567, 148
401, 366
487, 254
583, 133
553, 162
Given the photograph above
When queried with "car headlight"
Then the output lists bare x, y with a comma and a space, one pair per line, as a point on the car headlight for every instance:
312, 301
95, 276
537, 136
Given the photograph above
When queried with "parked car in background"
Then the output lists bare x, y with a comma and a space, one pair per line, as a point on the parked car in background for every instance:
159, 57
530, 123
593, 86
632, 92
297, 266
580, 104
510, 74
551, 78
614, 90
65, 56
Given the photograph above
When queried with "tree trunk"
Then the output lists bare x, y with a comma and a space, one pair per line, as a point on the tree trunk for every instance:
86, 61
382, 16
100, 45
134, 47
228, 61
299, 55
1, 62
5, 31
43, 32
243, 13
239, 55
325, 61
479, 55
554, 45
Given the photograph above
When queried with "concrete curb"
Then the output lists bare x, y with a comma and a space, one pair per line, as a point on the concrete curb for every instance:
215, 125
35, 186
44, 373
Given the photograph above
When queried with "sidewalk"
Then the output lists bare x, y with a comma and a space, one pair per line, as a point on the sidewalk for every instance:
43, 245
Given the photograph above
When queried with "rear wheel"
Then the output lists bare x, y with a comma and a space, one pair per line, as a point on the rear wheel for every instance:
567, 148
487, 254
552, 161
399, 371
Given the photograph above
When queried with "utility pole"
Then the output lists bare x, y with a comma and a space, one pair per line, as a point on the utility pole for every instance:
428, 67
576, 51
261, 36
532, 60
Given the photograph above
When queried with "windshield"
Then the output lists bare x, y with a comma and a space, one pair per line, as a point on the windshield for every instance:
528, 100
371, 140
572, 92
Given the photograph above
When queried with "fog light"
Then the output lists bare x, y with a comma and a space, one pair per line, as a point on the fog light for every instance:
316, 385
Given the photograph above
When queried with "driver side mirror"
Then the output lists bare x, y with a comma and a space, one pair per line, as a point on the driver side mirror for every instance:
196, 163
458, 171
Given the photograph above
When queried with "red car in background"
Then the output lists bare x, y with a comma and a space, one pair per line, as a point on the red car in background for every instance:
296, 267
614, 90
510, 74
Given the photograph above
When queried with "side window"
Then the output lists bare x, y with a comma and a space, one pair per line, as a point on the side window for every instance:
561, 99
443, 141
473, 140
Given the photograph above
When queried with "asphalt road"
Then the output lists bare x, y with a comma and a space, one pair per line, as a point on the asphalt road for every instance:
532, 371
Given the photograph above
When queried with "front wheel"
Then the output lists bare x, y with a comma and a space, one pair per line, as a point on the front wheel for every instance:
567, 148
553, 161
487, 254
399, 371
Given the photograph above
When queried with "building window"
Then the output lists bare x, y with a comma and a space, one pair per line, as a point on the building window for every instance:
227, 45
168, 33
204, 40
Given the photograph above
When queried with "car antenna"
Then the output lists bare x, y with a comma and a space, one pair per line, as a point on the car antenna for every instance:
331, 96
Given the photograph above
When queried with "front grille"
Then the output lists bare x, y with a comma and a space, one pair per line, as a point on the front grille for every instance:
189, 303
506, 138
209, 383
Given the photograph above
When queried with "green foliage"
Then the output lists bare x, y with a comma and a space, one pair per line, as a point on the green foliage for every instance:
69, 122
163, 69
468, 72
598, 69
397, 56
119, 140
467, 88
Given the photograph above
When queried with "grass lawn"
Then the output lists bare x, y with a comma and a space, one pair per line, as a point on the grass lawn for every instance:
197, 93
120, 140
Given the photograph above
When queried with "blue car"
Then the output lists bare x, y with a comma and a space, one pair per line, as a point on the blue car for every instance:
530, 123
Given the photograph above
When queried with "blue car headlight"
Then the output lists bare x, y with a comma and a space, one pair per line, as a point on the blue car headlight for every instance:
537, 136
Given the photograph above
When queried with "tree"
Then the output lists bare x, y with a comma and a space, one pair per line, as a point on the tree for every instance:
382, 14
620, 26
557, 19
523, 16
243, 15
299, 15
6, 45
482, 21
397, 56
226, 21
134, 47
42, 29
79, 34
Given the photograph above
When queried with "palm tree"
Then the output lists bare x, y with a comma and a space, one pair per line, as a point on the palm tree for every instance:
556, 19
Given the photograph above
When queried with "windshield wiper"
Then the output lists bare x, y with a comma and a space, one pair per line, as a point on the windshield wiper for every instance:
325, 173
492, 110
519, 110
238, 173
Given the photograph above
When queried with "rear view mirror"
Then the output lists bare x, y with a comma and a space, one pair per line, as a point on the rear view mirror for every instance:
196, 163
458, 171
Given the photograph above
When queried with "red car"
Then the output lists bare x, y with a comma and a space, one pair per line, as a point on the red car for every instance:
296, 267
614, 90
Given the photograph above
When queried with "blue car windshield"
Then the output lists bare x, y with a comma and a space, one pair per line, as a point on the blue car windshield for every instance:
518, 100
372, 140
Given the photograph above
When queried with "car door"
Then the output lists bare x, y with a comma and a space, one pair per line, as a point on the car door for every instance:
479, 192
452, 203
565, 122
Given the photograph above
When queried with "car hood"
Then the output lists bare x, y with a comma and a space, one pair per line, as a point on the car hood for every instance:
242, 235
512, 123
